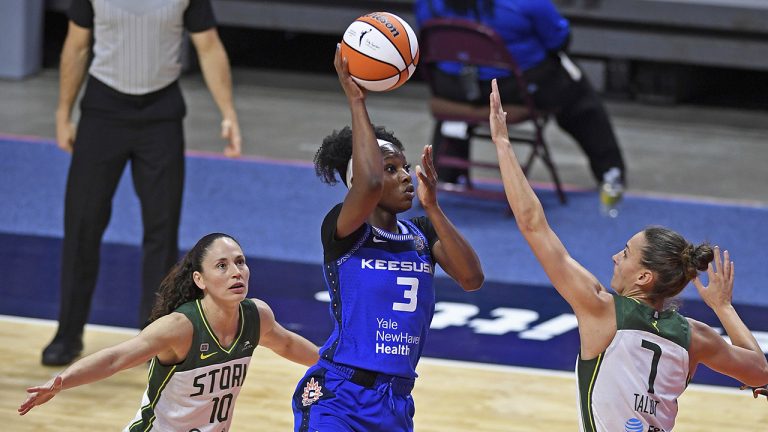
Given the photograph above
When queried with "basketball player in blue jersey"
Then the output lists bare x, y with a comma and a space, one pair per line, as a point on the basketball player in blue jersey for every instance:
637, 355
200, 341
378, 270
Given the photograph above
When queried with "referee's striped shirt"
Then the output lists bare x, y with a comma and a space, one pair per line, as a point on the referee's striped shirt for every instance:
137, 43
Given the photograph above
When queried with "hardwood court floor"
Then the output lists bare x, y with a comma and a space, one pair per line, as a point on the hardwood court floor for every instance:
450, 396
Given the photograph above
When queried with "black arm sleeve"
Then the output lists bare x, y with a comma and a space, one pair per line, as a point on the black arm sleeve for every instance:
81, 13
334, 248
199, 16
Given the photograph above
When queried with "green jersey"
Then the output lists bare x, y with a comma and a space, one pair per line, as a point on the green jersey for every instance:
199, 393
634, 384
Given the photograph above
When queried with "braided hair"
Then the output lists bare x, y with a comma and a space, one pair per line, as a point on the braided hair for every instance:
336, 151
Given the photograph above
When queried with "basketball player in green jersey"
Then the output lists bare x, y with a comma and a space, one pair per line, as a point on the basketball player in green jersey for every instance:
636, 356
200, 341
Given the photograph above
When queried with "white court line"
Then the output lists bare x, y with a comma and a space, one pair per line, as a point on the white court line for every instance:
51, 323
552, 373
519, 370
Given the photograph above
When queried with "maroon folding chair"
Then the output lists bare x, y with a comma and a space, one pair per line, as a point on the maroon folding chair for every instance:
474, 44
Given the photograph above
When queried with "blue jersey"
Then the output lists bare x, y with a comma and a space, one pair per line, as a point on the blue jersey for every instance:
382, 297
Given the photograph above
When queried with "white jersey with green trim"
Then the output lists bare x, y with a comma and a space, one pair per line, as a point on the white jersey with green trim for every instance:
633, 386
198, 394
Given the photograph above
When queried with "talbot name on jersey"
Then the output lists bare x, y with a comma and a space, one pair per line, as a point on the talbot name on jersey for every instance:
225, 377
645, 404
406, 266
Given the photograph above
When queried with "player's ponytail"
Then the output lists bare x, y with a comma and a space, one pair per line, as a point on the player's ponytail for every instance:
673, 260
178, 287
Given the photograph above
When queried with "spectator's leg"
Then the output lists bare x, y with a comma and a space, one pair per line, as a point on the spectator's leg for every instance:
586, 120
452, 147
449, 87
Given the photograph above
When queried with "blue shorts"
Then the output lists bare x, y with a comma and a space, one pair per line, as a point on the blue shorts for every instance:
328, 399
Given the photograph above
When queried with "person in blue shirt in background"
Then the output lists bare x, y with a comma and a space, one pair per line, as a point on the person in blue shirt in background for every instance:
536, 36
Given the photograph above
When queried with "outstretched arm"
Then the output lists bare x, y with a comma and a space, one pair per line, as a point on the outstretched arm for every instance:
168, 336
453, 252
577, 286
744, 360
218, 77
284, 343
366, 188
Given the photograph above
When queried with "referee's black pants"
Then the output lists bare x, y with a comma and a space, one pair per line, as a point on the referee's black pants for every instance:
102, 148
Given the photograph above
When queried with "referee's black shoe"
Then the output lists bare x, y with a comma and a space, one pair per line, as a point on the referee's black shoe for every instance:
61, 351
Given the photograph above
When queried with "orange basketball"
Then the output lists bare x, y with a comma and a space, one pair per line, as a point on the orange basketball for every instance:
381, 50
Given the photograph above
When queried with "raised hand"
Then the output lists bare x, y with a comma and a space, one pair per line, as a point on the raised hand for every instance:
41, 394
351, 89
719, 292
498, 117
427, 177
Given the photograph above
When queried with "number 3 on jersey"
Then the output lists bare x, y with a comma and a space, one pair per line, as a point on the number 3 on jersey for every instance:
409, 294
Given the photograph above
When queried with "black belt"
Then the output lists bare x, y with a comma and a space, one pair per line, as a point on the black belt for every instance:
363, 377
369, 379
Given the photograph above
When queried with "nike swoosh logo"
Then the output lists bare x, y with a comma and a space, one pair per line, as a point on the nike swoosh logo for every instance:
378, 240
205, 356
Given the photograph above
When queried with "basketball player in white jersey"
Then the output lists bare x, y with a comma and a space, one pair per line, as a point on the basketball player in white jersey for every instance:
636, 356
202, 334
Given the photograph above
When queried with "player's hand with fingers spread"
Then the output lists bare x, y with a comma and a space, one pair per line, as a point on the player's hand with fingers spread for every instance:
497, 118
719, 292
757, 391
427, 177
351, 89
41, 394
760, 391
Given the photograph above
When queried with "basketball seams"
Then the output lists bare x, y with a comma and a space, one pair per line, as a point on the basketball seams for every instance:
405, 73
384, 84
373, 65
394, 67
414, 55
386, 36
